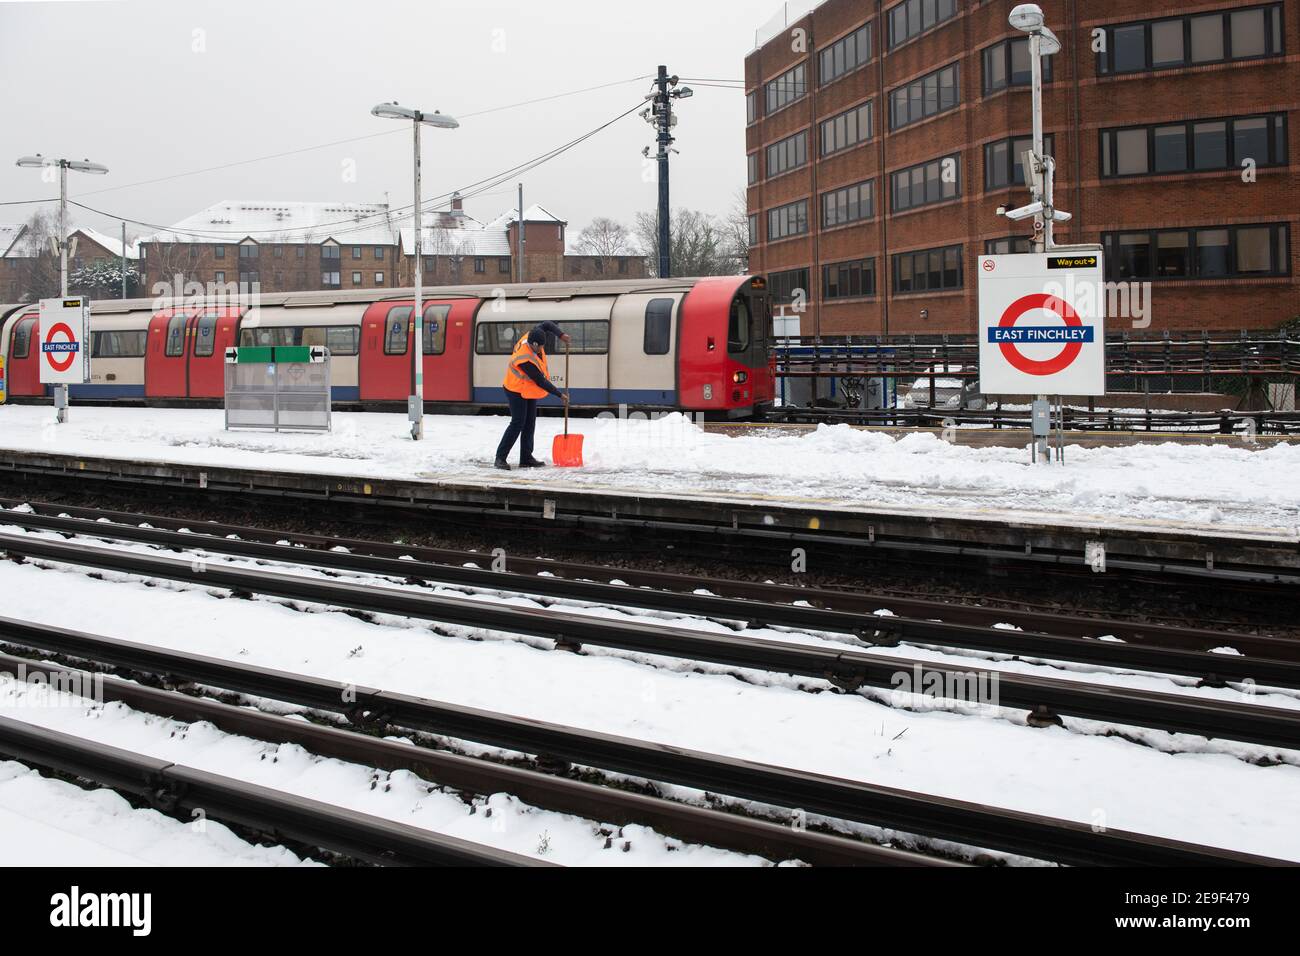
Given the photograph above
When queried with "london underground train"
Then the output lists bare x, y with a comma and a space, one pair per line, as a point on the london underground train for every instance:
696, 345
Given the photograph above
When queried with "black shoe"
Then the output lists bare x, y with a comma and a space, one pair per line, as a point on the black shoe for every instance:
532, 463
502, 464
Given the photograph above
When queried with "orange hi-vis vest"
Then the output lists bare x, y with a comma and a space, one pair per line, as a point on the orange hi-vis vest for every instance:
516, 379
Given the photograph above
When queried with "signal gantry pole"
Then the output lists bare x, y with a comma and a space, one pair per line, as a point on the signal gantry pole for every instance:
660, 115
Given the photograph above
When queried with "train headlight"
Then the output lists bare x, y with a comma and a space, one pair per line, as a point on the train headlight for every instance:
740, 377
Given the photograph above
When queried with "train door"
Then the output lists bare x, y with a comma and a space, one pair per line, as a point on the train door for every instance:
385, 368
22, 366
447, 327
211, 332
166, 365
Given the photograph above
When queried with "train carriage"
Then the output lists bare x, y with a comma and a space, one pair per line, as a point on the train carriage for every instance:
698, 345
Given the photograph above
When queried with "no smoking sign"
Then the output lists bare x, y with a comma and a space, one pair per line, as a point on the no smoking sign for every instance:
1041, 331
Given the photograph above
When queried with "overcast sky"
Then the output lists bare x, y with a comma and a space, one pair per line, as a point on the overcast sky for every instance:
153, 88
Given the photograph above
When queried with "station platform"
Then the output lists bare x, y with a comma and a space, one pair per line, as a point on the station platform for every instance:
1203, 507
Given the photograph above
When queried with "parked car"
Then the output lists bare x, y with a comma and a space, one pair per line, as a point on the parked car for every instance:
950, 391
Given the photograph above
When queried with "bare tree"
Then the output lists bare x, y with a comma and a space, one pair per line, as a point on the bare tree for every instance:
605, 239
698, 244
735, 226
38, 267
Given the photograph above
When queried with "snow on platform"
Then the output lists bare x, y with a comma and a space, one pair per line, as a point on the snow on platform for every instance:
1163, 485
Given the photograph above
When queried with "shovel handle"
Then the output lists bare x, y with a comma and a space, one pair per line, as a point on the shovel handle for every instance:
566, 387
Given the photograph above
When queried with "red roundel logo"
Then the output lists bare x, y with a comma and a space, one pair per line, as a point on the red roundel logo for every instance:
60, 361
1027, 303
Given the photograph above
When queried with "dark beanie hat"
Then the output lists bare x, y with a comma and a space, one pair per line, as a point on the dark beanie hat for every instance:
537, 338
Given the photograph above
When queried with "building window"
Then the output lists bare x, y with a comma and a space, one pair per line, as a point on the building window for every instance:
503, 266
430, 264
1007, 246
1190, 40
926, 183
249, 278
329, 252
379, 253
1204, 252
841, 280
928, 270
379, 278
622, 266
931, 94
219, 276
844, 55
248, 251
753, 230
786, 286
657, 336
913, 17
356, 278
1002, 166
848, 204
790, 153
480, 266
219, 252
790, 86
301, 251
1198, 145
277, 251
330, 280
598, 265
752, 159
751, 107
847, 129
356, 252
788, 220
1007, 64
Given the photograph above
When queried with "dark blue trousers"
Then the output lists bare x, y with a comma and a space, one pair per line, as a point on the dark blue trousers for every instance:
523, 420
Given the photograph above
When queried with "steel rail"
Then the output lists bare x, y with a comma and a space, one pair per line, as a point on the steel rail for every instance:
173, 787
977, 825
685, 586
870, 628
1048, 698
601, 804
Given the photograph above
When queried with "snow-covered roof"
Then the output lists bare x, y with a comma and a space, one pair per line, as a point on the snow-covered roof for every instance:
112, 243
233, 220
533, 213
473, 239
9, 234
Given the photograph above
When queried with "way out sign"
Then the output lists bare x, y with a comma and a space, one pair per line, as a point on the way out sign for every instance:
1041, 326
65, 341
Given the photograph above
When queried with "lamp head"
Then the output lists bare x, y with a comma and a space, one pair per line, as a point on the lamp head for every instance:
1027, 17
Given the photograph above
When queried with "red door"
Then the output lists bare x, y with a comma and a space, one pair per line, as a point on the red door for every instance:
387, 333
210, 334
23, 364
166, 363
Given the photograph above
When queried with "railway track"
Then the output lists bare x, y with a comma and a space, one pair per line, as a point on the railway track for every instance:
380, 711
1046, 699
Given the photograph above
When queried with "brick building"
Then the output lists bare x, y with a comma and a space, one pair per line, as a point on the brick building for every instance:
30, 270
882, 137
300, 246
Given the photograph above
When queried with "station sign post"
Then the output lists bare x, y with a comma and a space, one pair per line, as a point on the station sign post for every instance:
1042, 328
65, 347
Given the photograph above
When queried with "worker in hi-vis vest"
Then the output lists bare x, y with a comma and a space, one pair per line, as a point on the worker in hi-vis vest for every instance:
526, 382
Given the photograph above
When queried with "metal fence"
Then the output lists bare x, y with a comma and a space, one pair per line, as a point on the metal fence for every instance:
283, 388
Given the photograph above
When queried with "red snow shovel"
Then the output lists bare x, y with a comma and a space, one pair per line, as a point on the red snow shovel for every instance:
566, 449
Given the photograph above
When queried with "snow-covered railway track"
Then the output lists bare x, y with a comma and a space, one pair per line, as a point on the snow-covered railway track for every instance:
561, 748
1047, 699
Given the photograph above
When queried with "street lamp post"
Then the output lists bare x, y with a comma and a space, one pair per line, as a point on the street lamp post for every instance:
415, 404
82, 166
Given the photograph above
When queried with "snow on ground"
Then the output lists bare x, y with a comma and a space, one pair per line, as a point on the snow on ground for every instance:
45, 822
68, 836
1202, 793
1212, 487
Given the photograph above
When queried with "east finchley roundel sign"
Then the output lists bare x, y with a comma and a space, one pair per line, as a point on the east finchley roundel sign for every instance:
1041, 327
65, 341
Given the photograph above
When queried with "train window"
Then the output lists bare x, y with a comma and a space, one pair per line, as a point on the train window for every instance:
435, 329
738, 327
396, 334
23, 338
658, 326
588, 338
205, 341
342, 339
128, 343
496, 338
176, 335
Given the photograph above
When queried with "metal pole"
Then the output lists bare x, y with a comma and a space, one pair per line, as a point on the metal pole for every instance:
61, 391
417, 371
124, 260
1043, 230
665, 269
519, 234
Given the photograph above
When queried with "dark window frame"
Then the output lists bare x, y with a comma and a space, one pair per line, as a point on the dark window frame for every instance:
1005, 47
783, 156
1102, 60
391, 329
914, 256
844, 272
919, 84
860, 38
1108, 145
790, 209
1013, 159
909, 7
785, 90
1279, 242
991, 245
938, 162
829, 124
870, 201
656, 337
782, 285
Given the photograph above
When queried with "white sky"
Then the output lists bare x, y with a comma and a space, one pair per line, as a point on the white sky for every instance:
132, 85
